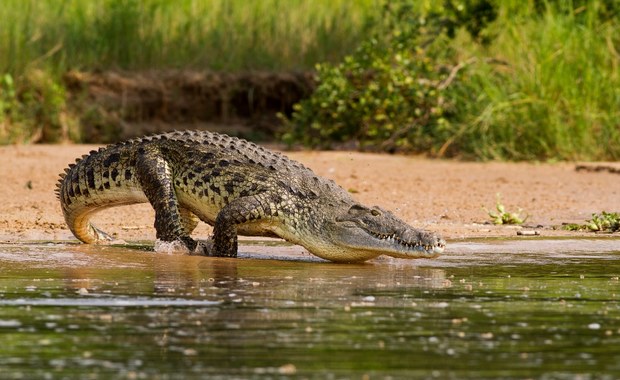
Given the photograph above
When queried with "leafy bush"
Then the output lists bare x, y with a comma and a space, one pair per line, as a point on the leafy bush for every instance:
34, 109
392, 93
381, 101
476, 79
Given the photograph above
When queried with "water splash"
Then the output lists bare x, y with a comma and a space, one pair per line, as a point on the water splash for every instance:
170, 247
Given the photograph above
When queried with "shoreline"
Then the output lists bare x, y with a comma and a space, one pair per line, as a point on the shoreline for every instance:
445, 196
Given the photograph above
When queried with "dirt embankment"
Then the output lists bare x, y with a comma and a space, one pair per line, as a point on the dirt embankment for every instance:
120, 105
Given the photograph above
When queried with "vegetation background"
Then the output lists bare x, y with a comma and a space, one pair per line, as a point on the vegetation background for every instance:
474, 79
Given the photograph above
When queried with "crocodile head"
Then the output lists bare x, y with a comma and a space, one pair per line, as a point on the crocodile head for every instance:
360, 233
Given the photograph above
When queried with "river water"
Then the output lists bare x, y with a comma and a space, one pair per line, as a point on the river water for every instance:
521, 309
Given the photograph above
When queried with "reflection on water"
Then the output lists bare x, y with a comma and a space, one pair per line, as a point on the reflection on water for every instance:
485, 310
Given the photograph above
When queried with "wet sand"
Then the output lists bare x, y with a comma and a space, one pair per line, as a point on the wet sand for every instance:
440, 195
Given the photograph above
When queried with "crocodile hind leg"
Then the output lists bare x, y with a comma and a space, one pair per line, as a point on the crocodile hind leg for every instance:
155, 177
189, 220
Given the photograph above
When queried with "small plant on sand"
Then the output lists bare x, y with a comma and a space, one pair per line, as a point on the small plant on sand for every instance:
501, 216
603, 222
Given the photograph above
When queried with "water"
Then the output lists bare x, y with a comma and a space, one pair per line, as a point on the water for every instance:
487, 309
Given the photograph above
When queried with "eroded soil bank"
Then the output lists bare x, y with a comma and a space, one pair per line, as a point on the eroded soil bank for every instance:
116, 105
445, 196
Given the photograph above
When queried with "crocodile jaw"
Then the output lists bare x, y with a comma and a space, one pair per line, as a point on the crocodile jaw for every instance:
357, 245
364, 233
408, 245
411, 243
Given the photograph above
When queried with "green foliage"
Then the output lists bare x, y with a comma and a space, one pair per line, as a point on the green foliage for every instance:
34, 109
480, 79
530, 83
387, 95
505, 217
52, 37
603, 222
557, 95
154, 34
473, 15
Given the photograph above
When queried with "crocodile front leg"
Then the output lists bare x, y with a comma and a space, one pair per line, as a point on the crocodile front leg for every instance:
155, 177
240, 211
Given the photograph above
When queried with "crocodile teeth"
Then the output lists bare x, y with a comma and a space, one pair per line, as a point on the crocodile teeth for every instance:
393, 238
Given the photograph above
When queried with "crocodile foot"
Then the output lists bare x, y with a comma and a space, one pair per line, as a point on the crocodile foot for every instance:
203, 248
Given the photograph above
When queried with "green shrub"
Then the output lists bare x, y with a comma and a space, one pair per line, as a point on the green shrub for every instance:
556, 97
390, 94
34, 109
476, 79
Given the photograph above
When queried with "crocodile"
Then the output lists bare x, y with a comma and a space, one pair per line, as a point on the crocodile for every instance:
237, 187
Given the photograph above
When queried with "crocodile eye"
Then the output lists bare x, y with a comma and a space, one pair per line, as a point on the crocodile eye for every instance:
375, 212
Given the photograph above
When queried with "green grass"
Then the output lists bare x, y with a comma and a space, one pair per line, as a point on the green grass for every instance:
540, 82
557, 96
40, 40
152, 34
544, 86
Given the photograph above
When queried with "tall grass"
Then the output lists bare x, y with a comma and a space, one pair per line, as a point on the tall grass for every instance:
42, 39
537, 80
557, 97
215, 34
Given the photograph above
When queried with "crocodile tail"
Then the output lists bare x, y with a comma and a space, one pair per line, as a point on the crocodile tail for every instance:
92, 184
